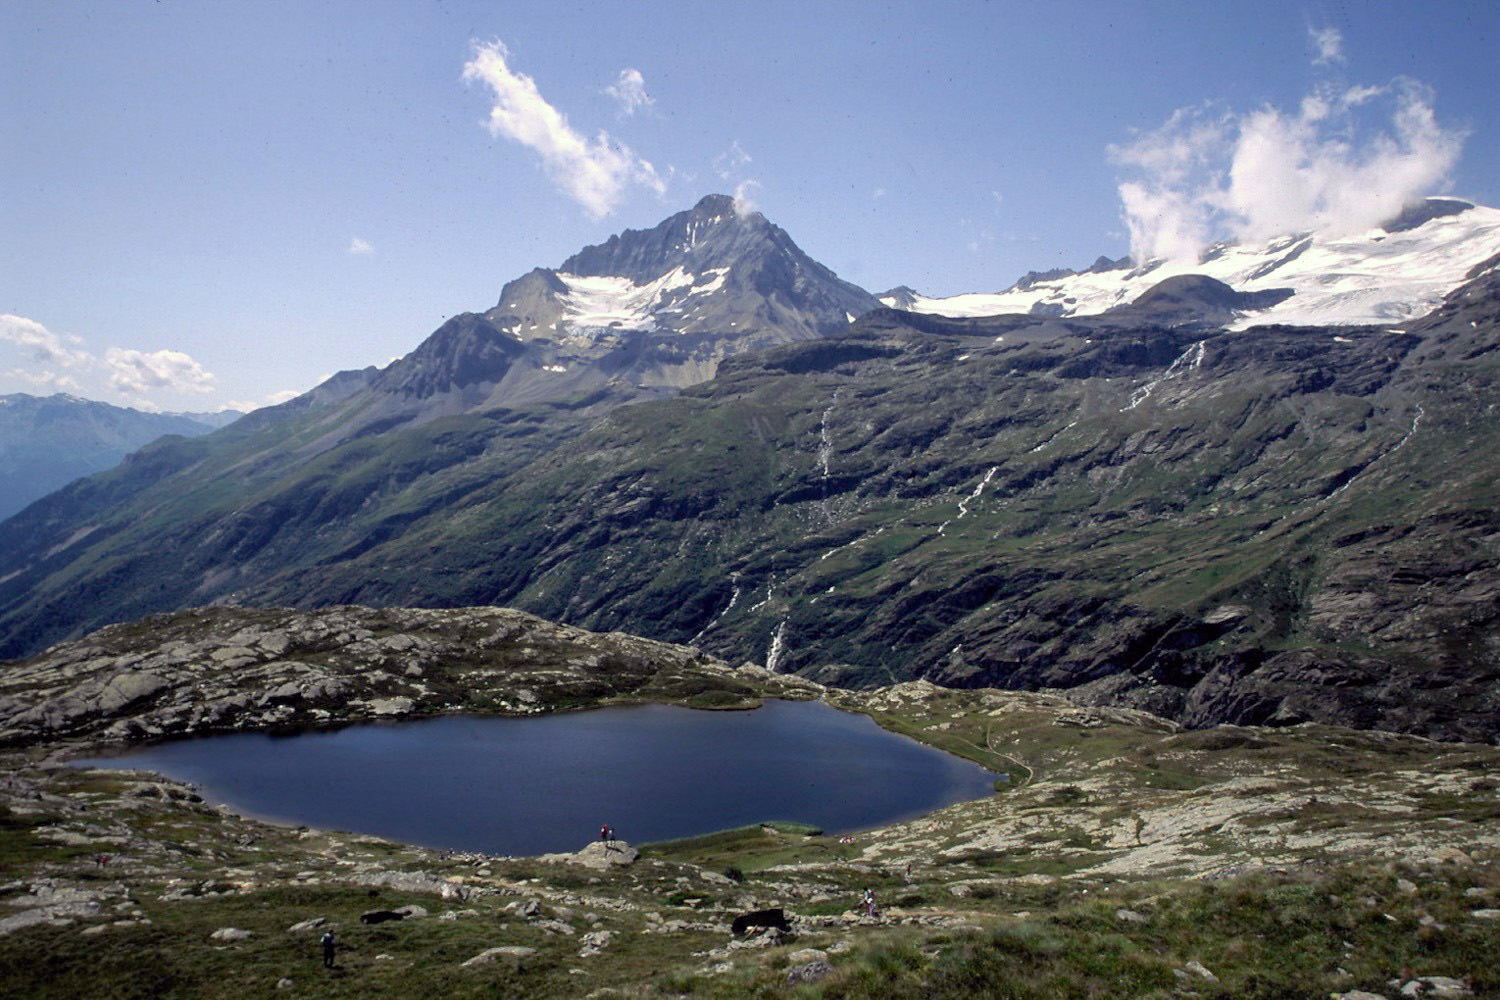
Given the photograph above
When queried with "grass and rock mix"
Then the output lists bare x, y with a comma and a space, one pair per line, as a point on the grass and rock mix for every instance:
1119, 856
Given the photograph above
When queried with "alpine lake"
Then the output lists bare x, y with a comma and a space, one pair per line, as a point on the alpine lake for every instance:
520, 786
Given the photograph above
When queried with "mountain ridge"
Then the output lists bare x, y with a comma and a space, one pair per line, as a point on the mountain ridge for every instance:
1141, 507
48, 441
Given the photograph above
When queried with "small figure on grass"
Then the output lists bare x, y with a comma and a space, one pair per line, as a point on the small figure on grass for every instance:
329, 945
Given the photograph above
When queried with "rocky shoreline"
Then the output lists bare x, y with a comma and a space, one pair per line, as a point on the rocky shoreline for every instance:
232, 669
1114, 823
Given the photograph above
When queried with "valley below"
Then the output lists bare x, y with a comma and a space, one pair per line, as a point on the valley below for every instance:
1120, 855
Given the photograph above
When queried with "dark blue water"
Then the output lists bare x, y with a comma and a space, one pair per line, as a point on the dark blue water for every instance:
527, 786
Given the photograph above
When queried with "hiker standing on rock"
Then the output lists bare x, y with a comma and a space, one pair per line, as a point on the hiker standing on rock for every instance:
329, 943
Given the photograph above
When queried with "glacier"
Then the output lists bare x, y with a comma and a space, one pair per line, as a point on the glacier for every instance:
1382, 275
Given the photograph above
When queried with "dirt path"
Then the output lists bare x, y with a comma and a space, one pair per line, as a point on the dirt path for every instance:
989, 748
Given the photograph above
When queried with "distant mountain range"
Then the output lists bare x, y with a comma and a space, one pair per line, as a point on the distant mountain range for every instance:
47, 442
1142, 503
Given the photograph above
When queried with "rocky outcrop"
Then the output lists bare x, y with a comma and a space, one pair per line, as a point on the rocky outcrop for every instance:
217, 669
600, 854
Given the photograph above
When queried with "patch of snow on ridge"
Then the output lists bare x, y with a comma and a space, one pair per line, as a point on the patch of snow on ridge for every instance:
713, 284
607, 301
1372, 277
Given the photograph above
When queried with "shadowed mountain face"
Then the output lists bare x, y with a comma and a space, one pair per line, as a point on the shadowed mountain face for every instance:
47, 442
1270, 526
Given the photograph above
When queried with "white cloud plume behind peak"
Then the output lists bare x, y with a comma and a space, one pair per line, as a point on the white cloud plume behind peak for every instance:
744, 204
630, 91
1348, 159
593, 172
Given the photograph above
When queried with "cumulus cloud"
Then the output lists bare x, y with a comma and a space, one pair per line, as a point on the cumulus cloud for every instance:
359, 246
40, 343
630, 91
593, 172
60, 362
138, 372
1347, 159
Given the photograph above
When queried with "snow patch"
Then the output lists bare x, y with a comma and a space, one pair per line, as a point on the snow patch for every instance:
596, 303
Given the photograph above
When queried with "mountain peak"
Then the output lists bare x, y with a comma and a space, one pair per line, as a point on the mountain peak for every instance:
707, 271
712, 233
715, 204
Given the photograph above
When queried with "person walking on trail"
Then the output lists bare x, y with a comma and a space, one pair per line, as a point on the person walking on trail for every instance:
869, 903
329, 944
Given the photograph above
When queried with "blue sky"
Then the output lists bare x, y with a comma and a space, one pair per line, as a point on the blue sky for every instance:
216, 203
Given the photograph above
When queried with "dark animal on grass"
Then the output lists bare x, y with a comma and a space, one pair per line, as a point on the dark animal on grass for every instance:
760, 918
380, 916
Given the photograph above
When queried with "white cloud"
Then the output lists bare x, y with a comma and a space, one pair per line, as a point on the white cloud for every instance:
1165, 211
744, 206
359, 246
1330, 45
250, 405
630, 91
1342, 163
594, 172
39, 342
138, 372
56, 365
45, 380
730, 162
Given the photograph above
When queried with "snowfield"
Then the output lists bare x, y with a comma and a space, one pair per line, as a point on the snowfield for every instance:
1372, 277
607, 301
